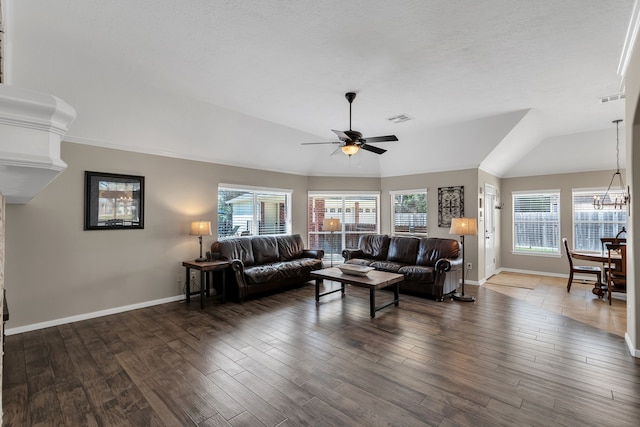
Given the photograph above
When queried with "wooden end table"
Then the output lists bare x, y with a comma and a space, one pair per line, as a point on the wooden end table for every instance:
204, 268
374, 280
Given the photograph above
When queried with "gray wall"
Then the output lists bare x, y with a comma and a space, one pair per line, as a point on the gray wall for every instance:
54, 269
2, 210
432, 181
632, 128
565, 183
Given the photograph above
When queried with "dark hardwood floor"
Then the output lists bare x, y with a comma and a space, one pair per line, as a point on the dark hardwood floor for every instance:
283, 361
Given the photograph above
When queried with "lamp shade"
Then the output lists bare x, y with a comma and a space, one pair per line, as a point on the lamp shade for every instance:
200, 228
331, 224
463, 226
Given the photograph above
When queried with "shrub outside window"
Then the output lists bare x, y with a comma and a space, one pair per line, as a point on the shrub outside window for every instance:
253, 211
409, 212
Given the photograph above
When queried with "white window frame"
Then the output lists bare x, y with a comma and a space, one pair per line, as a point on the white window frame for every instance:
579, 243
392, 197
553, 252
288, 193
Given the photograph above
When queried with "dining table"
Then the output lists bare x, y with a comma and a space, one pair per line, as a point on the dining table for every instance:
600, 257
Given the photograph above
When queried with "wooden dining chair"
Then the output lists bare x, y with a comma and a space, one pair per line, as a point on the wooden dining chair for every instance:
580, 269
605, 240
616, 277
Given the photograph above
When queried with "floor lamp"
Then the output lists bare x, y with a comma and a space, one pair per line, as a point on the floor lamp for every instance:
332, 225
463, 227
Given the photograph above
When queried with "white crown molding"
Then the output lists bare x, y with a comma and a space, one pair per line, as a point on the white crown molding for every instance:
32, 125
630, 40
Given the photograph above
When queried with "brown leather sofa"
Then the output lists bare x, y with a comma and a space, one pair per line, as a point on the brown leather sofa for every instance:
431, 266
265, 264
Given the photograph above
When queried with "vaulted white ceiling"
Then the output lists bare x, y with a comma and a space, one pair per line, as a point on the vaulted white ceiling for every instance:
509, 86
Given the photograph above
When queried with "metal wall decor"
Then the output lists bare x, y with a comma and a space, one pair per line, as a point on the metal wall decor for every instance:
450, 204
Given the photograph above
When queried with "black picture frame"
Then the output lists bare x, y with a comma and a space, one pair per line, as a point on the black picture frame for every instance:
113, 201
450, 204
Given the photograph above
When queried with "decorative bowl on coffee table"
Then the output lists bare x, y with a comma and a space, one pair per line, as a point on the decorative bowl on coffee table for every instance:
355, 270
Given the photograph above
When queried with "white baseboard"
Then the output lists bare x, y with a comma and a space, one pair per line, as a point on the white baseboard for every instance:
86, 316
537, 273
633, 351
545, 273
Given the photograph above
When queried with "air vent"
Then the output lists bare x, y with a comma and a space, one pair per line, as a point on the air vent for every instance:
611, 98
400, 118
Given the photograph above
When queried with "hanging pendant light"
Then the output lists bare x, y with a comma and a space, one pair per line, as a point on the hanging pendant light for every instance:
613, 197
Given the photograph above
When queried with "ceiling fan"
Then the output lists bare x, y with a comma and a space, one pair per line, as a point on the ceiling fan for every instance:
351, 141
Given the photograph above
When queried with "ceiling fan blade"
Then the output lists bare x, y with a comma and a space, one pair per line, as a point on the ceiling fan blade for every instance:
315, 143
373, 149
381, 138
337, 150
343, 136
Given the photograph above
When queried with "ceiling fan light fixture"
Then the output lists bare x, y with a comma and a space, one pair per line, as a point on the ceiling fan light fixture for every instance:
350, 149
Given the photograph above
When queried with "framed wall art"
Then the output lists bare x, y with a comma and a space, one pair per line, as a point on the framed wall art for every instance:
113, 201
450, 204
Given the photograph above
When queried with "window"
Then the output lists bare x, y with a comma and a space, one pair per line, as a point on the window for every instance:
253, 211
536, 223
409, 212
350, 209
590, 224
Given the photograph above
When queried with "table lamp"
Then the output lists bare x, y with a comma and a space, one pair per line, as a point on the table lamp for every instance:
463, 227
200, 228
332, 225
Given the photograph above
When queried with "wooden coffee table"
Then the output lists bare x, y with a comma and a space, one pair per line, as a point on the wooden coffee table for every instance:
374, 280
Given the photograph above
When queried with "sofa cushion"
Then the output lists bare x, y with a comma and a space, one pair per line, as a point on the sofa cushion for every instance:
432, 249
278, 271
374, 246
391, 267
265, 249
417, 273
290, 247
403, 250
239, 248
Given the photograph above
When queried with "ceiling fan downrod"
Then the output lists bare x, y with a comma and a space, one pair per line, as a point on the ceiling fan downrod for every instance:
350, 97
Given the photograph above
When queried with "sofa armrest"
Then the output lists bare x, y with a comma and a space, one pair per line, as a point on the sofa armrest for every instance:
448, 264
238, 268
444, 267
313, 253
348, 254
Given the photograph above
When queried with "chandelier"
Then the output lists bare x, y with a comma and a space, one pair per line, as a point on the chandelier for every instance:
618, 198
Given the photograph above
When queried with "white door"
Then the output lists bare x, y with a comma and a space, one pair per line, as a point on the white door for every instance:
490, 230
